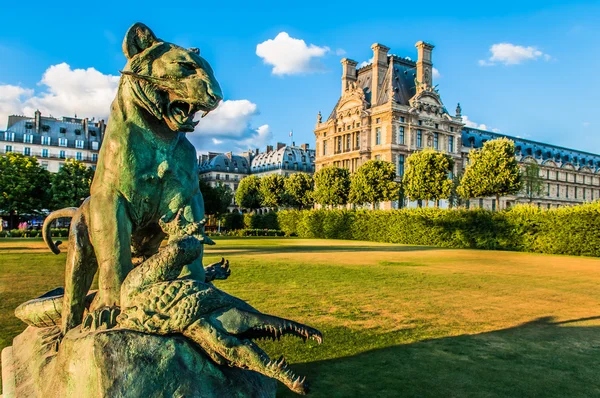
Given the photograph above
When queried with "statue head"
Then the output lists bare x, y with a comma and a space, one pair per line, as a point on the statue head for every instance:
170, 82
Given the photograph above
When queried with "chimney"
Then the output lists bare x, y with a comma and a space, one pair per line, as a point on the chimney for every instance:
85, 128
348, 73
256, 151
270, 148
280, 145
38, 121
379, 66
304, 147
424, 65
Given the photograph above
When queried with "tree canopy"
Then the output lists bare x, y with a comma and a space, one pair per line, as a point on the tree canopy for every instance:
374, 182
24, 186
533, 184
492, 171
248, 195
427, 175
216, 199
271, 190
298, 190
71, 184
332, 186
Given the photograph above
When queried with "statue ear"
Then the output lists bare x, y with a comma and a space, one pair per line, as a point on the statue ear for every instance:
138, 38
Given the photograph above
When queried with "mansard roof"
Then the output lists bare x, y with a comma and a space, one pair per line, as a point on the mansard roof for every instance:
67, 127
285, 155
225, 162
472, 137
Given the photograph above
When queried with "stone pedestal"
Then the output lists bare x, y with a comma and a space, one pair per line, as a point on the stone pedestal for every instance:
119, 363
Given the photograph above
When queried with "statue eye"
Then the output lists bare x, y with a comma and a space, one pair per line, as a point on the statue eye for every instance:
187, 65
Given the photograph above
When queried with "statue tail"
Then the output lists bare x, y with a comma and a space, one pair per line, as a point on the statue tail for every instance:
63, 213
46, 310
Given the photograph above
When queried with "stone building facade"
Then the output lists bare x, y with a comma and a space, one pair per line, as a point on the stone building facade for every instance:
53, 140
230, 169
390, 108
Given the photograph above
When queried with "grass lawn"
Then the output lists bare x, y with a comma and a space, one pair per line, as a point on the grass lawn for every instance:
397, 320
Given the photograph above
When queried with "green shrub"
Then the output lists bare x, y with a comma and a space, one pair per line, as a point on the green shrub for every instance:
233, 221
566, 230
258, 232
261, 221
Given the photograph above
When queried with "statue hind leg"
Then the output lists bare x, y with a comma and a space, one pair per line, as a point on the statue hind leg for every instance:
80, 269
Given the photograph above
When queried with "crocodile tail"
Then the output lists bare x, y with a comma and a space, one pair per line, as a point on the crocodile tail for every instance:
46, 310
63, 213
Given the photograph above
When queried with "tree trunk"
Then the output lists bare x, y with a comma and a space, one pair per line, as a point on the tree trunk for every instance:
497, 202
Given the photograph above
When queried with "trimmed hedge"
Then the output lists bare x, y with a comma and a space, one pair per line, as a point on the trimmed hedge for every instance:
257, 232
17, 233
566, 230
261, 221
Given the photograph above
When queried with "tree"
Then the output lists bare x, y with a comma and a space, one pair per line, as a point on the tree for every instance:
533, 184
23, 186
216, 199
492, 171
455, 199
71, 185
298, 190
426, 176
248, 194
373, 182
332, 185
271, 190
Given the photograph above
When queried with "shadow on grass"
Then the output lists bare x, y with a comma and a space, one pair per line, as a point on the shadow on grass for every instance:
541, 358
320, 249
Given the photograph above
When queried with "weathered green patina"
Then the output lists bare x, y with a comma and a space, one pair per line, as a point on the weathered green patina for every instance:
145, 189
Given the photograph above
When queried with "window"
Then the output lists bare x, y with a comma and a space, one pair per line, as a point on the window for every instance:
94, 157
45, 165
324, 148
95, 145
420, 122
401, 119
339, 144
400, 165
62, 155
401, 135
419, 138
78, 131
28, 138
437, 126
62, 142
452, 129
46, 140
348, 142
378, 136
557, 191
44, 153
227, 177
27, 151
436, 140
378, 120
548, 191
377, 157
28, 125
218, 177
8, 136
450, 144
357, 143
79, 144
8, 148
78, 156
63, 130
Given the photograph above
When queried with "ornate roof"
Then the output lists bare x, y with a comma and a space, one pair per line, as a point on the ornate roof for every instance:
561, 156
286, 157
225, 162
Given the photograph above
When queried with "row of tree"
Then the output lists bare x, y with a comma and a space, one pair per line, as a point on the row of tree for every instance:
491, 171
26, 188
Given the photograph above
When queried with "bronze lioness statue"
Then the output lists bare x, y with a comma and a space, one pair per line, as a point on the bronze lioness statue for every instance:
146, 169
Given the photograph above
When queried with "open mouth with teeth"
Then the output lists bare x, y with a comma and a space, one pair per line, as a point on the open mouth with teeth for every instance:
278, 369
180, 115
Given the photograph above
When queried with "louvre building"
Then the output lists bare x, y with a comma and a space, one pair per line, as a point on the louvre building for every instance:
390, 108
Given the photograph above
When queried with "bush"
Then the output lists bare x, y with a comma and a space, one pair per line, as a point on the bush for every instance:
19, 233
261, 221
258, 232
232, 221
566, 230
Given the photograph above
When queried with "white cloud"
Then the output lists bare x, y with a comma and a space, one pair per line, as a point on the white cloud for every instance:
290, 56
436, 73
365, 63
472, 124
229, 128
65, 92
511, 54
340, 51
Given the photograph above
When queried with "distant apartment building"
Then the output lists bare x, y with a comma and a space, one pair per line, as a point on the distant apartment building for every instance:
390, 108
53, 140
229, 169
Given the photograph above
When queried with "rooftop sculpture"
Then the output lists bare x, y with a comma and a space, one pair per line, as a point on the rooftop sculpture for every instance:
155, 306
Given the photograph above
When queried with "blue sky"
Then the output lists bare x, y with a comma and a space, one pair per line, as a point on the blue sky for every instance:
541, 85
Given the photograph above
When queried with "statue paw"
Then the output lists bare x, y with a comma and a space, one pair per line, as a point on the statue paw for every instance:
101, 319
218, 270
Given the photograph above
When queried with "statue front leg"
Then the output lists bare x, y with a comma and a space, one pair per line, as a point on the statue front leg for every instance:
110, 230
